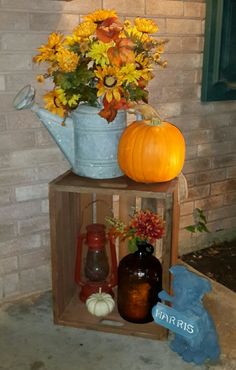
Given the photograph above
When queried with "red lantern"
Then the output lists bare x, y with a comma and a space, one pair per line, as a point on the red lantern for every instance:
93, 268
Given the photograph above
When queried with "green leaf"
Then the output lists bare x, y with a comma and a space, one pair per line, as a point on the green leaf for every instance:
132, 247
191, 228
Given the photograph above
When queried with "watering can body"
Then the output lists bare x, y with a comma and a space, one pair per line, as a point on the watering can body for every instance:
87, 141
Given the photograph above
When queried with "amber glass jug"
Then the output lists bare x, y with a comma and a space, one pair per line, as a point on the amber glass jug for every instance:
139, 282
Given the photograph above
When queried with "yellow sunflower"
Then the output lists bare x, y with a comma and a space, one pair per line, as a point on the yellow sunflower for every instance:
67, 60
142, 64
100, 15
132, 32
98, 52
48, 51
85, 29
130, 74
109, 83
146, 25
53, 103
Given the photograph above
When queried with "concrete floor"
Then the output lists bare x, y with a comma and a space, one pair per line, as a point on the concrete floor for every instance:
30, 341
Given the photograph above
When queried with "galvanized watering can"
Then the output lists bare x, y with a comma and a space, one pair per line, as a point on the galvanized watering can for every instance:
88, 142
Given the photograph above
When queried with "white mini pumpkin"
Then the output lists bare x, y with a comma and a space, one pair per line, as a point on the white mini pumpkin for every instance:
100, 304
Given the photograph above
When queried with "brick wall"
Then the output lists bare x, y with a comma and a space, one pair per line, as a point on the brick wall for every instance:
29, 159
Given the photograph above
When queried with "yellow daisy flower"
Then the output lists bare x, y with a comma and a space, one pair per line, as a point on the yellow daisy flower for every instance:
85, 29
109, 83
71, 40
142, 64
53, 103
67, 60
100, 15
146, 25
130, 74
49, 50
72, 101
98, 52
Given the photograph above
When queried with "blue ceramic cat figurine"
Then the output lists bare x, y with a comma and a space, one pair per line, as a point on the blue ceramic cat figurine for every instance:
195, 334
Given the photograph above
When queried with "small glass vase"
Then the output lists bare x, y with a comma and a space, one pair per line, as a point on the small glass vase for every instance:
139, 282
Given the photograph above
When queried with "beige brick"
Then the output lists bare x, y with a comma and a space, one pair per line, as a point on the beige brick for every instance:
2, 83
33, 224
190, 179
193, 43
45, 206
10, 284
17, 176
22, 41
5, 195
223, 186
175, 93
19, 245
43, 277
131, 7
186, 221
20, 62
75, 6
198, 192
14, 21
184, 61
187, 123
194, 9
186, 208
191, 152
197, 164
35, 258
215, 121
16, 4
184, 26
210, 176
231, 172
1, 288
29, 192
224, 212
20, 210
174, 44
27, 158
2, 122
169, 77
43, 138
164, 8
214, 148
55, 22
215, 201
19, 120
8, 265
224, 160
7, 231
27, 280
16, 140
230, 198
49, 172
16, 81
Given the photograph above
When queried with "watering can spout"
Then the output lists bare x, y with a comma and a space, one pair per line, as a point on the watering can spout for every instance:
63, 135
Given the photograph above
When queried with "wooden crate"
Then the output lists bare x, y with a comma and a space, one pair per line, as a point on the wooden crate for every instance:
75, 202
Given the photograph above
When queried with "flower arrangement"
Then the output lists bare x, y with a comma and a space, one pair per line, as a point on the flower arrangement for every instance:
104, 63
144, 225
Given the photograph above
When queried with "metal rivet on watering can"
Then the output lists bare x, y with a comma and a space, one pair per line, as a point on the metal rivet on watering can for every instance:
195, 334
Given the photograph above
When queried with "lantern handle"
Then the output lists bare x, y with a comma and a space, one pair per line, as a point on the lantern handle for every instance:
93, 202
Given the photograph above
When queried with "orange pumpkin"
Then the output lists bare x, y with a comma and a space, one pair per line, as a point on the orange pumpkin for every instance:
151, 150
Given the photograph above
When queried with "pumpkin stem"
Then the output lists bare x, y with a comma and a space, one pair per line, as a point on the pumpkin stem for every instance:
100, 290
156, 121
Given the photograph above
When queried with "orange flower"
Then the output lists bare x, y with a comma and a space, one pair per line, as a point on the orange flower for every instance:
109, 30
122, 52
